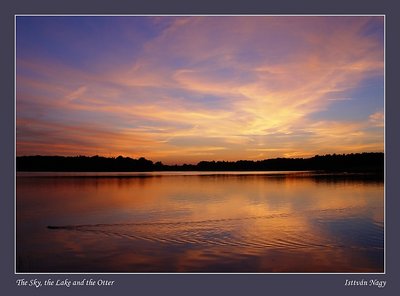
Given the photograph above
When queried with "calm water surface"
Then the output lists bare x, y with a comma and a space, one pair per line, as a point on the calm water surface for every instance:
199, 222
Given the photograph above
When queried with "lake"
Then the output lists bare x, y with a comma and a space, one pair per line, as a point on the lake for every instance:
261, 222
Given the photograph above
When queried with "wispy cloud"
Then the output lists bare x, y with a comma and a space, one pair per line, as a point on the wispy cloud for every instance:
377, 119
245, 87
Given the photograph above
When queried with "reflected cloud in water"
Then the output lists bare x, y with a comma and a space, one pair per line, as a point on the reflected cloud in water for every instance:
230, 222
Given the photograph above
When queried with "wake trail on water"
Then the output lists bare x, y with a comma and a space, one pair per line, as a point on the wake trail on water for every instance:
228, 232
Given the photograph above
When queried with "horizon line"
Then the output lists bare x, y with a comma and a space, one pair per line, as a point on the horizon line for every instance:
214, 160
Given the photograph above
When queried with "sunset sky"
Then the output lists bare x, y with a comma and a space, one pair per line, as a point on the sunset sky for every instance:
185, 89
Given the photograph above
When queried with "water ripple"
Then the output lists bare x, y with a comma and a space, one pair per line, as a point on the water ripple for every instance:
226, 232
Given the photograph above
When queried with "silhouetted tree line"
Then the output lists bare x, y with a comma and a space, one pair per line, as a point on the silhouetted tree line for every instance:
362, 162
82, 164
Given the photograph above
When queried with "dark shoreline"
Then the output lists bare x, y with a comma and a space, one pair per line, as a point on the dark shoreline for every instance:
316, 176
371, 163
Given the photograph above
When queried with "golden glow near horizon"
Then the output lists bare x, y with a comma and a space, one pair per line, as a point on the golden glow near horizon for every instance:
185, 89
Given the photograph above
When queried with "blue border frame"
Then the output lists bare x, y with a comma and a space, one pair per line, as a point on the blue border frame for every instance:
184, 284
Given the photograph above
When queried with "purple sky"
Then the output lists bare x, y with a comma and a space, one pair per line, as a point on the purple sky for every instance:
185, 89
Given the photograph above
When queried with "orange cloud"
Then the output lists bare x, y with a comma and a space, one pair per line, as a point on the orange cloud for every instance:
247, 86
